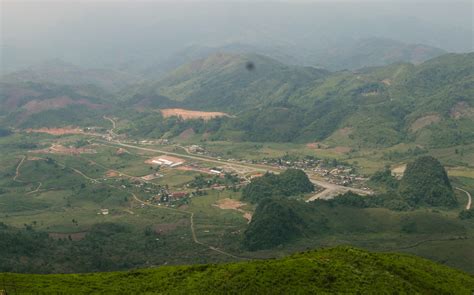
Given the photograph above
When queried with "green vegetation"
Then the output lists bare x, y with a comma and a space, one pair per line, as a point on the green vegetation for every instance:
425, 182
430, 104
336, 270
288, 183
275, 222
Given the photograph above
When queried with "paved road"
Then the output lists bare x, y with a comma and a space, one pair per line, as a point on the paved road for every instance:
469, 198
330, 189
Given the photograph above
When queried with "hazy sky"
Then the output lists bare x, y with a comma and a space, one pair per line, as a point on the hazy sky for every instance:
90, 31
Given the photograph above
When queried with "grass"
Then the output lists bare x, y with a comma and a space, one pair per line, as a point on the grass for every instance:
61, 199
337, 270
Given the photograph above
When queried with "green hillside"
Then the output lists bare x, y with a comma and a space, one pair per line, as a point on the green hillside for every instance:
222, 81
30, 104
336, 270
430, 103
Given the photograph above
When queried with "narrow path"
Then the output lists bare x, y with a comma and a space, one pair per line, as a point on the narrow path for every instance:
85, 176
17, 173
193, 231
36, 190
469, 197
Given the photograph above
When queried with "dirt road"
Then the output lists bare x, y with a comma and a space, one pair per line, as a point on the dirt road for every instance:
114, 125
193, 231
469, 197
17, 172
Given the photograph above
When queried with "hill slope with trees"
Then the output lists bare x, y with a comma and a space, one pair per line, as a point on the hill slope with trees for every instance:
291, 182
430, 103
425, 182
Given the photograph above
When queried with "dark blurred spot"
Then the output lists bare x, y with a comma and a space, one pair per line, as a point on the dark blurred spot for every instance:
250, 66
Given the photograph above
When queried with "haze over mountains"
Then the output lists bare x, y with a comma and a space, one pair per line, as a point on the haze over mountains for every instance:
136, 35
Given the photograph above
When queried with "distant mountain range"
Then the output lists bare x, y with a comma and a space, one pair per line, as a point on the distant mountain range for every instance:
431, 103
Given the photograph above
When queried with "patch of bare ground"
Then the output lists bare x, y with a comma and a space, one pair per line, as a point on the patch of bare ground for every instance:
37, 106
316, 145
424, 121
112, 173
186, 134
57, 131
387, 82
59, 149
189, 114
462, 110
73, 236
230, 204
121, 151
399, 170
164, 228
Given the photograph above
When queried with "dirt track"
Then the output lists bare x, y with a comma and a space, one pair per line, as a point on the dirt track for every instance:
469, 201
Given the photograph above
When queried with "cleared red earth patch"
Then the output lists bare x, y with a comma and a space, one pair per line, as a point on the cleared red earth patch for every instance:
57, 131
189, 114
37, 106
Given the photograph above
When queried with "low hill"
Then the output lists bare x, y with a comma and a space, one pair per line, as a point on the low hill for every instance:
425, 182
289, 183
336, 270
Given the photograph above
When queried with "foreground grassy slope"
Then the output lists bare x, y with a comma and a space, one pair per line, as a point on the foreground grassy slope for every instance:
341, 269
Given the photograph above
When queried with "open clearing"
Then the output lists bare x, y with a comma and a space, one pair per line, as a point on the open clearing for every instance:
230, 204
59, 149
189, 114
57, 131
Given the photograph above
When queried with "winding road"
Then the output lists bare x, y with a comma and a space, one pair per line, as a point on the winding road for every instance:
469, 197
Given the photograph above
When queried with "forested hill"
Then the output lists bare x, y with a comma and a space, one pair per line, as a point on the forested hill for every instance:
431, 103
336, 270
232, 82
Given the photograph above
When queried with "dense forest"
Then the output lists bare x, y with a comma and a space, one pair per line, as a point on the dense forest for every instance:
291, 182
